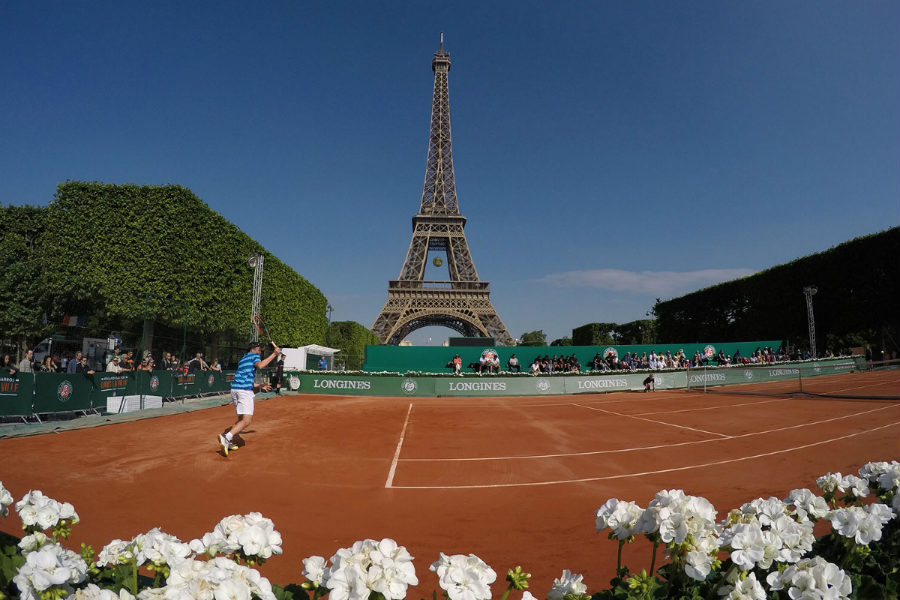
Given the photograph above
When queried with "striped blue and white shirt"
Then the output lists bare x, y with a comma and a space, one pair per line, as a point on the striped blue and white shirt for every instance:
243, 377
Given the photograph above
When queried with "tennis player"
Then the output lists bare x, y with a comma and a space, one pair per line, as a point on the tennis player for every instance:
243, 390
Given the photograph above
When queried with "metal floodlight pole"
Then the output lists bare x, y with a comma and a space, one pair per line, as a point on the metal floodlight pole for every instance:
256, 261
810, 291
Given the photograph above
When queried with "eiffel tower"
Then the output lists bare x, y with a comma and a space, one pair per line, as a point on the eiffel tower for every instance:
463, 302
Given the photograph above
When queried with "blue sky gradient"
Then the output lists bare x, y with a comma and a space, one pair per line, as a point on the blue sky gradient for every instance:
606, 153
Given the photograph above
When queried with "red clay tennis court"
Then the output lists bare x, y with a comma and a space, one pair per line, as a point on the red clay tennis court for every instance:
514, 480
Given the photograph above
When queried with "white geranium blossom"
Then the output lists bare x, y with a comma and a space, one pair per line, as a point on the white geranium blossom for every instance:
620, 516
806, 504
52, 566
314, 569
863, 524
33, 542
464, 577
5, 500
42, 512
765, 511
216, 579
367, 566
92, 592
748, 544
857, 486
886, 475
115, 552
748, 588
159, 548
831, 482
252, 534
812, 578
795, 538
567, 583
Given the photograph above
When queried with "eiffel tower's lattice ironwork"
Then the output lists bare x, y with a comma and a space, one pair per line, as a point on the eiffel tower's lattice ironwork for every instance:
461, 303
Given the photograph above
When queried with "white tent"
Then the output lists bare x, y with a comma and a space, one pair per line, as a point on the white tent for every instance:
295, 359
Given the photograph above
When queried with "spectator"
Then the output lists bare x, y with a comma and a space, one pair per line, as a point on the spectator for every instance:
113, 366
217, 366
197, 363
47, 365
323, 363
457, 364
535, 366
513, 364
495, 363
7, 366
73, 364
25, 365
83, 368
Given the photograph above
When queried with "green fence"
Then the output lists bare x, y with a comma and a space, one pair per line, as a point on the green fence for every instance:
30, 394
434, 359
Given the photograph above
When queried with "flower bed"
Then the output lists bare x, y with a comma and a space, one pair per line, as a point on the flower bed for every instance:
764, 549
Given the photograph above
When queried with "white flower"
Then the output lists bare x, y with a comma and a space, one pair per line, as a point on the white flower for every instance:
92, 592
812, 578
33, 542
806, 504
159, 548
216, 579
747, 544
855, 485
115, 552
252, 534
464, 577
37, 510
314, 569
622, 517
5, 500
567, 583
831, 482
747, 588
796, 538
50, 567
765, 511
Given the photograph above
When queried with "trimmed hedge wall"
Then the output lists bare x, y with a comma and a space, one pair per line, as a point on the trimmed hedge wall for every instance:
858, 285
352, 338
133, 252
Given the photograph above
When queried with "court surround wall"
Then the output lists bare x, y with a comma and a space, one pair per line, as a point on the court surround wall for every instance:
424, 384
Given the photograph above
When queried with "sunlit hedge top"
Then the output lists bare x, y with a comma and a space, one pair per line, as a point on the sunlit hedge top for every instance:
160, 251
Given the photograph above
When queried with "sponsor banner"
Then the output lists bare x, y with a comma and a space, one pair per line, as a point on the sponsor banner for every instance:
16, 394
365, 386
623, 382
62, 392
498, 386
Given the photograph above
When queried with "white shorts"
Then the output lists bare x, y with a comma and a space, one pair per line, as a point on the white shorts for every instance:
243, 401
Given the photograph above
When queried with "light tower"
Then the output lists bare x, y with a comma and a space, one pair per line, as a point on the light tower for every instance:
256, 261
810, 291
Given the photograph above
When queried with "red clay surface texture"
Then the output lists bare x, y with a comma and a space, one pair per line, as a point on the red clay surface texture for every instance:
516, 481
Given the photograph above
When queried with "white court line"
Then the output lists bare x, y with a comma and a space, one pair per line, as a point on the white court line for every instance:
639, 448
642, 473
390, 478
669, 412
609, 412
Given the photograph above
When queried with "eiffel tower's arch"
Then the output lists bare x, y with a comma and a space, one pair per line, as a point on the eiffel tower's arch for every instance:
461, 303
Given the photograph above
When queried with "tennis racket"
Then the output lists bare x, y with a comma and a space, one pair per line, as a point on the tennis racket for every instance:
262, 329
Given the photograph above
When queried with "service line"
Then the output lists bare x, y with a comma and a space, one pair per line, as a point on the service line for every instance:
643, 473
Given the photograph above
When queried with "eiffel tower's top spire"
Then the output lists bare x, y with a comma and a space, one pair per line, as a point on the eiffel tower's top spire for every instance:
439, 193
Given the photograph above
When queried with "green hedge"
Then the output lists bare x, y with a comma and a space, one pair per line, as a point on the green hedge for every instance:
858, 285
128, 252
352, 339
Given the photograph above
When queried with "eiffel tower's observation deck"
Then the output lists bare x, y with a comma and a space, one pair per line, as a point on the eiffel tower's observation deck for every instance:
462, 302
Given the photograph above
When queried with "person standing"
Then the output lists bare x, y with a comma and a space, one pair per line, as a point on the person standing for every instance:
73, 364
25, 365
243, 390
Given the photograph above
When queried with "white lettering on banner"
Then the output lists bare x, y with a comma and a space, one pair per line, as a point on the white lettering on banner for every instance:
478, 386
844, 366
783, 372
342, 384
707, 377
592, 384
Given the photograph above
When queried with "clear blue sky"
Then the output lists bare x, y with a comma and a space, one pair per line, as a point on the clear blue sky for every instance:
606, 153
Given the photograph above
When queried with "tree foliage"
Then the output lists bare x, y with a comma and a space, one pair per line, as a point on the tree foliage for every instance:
642, 331
565, 341
120, 254
858, 285
533, 338
352, 339
21, 311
